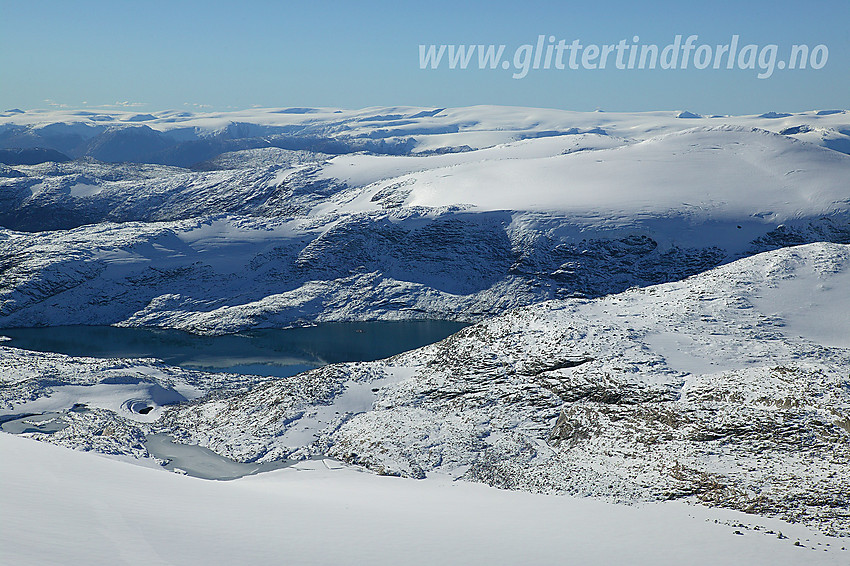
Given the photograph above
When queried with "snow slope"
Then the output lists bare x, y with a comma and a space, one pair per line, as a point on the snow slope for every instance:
703, 174
71, 507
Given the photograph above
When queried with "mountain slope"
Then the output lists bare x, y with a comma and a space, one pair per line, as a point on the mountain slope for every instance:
729, 387
649, 324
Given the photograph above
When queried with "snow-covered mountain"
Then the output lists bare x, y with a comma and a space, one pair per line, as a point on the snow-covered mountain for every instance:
660, 298
276, 237
185, 138
731, 386
271, 140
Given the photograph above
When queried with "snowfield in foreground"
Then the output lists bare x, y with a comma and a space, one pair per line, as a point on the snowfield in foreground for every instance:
72, 507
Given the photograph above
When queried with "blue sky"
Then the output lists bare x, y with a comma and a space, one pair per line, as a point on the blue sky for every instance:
350, 54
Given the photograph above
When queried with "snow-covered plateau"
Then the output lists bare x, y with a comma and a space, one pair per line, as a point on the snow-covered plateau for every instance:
661, 309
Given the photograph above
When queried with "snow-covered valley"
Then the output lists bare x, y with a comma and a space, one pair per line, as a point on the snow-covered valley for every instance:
660, 309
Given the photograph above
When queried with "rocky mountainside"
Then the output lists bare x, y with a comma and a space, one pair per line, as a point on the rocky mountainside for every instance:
731, 387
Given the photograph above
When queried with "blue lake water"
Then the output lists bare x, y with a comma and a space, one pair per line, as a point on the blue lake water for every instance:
269, 352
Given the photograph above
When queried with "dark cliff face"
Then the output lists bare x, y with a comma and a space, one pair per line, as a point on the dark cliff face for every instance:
31, 156
137, 144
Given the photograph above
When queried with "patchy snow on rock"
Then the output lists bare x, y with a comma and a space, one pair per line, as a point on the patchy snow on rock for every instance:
693, 389
85, 190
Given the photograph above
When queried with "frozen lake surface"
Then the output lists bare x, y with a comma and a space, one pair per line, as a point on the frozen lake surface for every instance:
201, 462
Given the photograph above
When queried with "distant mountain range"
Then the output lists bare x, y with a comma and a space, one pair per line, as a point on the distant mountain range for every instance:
186, 139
